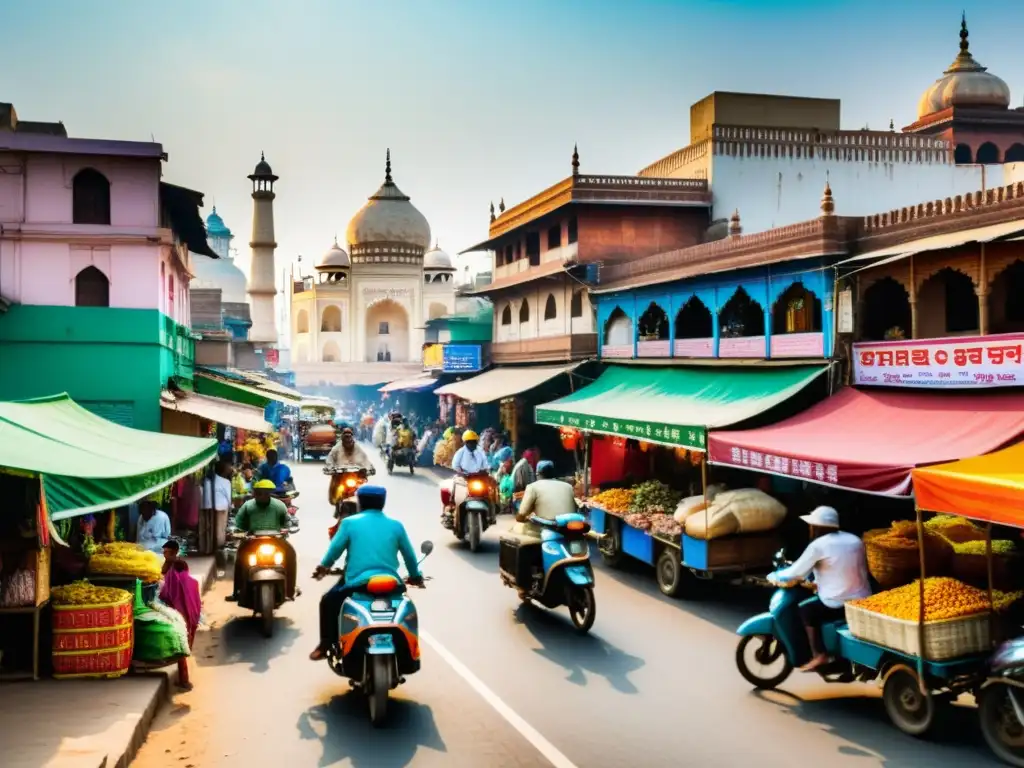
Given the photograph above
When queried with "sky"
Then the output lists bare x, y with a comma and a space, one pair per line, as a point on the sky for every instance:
477, 100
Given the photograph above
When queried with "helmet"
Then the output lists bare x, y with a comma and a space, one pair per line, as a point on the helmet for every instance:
469, 435
264, 485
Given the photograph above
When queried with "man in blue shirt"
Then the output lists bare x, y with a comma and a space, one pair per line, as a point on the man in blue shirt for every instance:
276, 472
373, 542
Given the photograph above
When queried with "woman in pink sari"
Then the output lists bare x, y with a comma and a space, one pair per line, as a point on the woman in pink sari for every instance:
181, 592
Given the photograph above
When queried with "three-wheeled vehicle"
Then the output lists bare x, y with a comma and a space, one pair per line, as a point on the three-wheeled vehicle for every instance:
930, 663
317, 432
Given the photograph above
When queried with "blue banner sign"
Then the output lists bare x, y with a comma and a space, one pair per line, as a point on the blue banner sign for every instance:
461, 358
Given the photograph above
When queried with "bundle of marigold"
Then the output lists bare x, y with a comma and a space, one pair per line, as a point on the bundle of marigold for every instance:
944, 598
84, 593
617, 500
126, 549
139, 563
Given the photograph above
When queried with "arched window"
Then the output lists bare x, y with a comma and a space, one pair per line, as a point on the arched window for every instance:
1005, 307
618, 329
1015, 154
506, 315
576, 304
90, 194
330, 320
885, 311
797, 310
741, 316
331, 353
694, 320
947, 303
302, 321
962, 155
92, 289
988, 153
653, 324
550, 310
524, 311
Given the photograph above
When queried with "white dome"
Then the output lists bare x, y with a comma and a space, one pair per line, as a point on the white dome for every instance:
219, 273
435, 258
388, 219
335, 258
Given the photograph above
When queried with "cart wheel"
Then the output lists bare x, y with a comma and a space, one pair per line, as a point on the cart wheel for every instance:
1000, 726
611, 545
670, 572
910, 709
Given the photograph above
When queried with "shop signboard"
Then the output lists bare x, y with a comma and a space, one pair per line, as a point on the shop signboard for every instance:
967, 362
461, 358
798, 345
433, 356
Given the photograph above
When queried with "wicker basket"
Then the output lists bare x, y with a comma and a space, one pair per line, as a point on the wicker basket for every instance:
896, 567
945, 639
105, 662
105, 616
973, 569
92, 639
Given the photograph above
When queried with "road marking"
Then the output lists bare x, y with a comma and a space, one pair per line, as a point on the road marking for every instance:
527, 731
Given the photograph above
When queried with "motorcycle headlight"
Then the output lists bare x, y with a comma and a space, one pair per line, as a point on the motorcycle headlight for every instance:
350, 483
477, 486
267, 550
252, 559
278, 557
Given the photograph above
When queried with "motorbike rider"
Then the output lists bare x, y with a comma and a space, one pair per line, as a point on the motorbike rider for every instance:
347, 453
262, 514
373, 542
279, 474
470, 458
838, 561
546, 498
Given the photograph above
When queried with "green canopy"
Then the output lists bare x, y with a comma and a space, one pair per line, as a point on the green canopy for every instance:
674, 406
90, 464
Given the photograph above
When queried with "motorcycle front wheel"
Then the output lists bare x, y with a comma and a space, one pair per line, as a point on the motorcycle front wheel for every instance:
267, 608
582, 608
473, 530
767, 652
380, 687
1000, 726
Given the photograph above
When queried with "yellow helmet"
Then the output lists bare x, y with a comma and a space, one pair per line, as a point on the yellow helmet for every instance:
468, 435
264, 485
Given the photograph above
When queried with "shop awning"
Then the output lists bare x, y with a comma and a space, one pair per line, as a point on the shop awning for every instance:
90, 464
989, 487
417, 384
239, 389
674, 406
499, 383
985, 234
225, 412
871, 440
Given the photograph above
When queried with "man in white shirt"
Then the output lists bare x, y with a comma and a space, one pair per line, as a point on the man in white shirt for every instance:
470, 458
154, 527
839, 563
217, 496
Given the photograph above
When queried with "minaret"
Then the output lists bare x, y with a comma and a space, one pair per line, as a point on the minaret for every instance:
262, 285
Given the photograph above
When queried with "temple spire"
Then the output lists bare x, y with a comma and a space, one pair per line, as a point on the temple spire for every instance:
964, 44
575, 160
387, 168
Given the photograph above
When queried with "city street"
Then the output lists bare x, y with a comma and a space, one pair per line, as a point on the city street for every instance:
503, 685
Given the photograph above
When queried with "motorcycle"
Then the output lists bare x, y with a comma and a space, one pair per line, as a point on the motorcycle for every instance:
401, 457
378, 640
341, 493
565, 576
1001, 702
474, 513
264, 584
288, 497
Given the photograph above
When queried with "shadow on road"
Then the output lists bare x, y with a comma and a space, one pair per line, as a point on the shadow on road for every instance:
579, 655
485, 559
239, 641
343, 728
859, 718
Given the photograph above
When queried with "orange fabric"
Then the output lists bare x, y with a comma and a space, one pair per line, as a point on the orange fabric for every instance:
988, 488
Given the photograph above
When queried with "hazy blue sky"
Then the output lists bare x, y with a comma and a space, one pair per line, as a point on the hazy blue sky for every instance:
476, 99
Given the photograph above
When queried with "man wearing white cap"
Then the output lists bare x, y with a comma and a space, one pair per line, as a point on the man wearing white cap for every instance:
839, 564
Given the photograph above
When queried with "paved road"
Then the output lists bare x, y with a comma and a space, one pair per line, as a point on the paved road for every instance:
653, 685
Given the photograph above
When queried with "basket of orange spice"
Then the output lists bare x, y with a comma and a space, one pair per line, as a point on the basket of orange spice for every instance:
957, 618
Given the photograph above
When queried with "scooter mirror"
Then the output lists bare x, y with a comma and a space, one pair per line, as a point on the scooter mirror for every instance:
427, 547
780, 558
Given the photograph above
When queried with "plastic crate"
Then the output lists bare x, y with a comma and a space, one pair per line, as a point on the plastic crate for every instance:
105, 616
92, 639
944, 639
107, 662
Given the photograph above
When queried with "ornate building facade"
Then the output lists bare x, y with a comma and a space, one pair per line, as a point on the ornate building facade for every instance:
360, 319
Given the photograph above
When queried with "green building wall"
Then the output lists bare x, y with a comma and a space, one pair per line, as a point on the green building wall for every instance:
112, 361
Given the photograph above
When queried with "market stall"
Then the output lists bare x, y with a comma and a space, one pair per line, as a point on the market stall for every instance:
673, 408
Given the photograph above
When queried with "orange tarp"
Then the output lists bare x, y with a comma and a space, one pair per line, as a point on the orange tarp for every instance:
988, 487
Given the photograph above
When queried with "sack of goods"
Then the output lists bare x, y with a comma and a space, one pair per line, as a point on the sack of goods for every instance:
746, 510
693, 504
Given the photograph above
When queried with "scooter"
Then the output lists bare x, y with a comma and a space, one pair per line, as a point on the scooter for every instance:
475, 513
264, 586
1001, 703
378, 643
565, 577
345, 481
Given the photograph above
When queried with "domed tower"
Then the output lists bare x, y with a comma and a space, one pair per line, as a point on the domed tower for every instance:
438, 283
262, 285
969, 106
333, 266
218, 235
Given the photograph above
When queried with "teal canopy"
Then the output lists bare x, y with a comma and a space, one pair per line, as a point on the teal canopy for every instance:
89, 464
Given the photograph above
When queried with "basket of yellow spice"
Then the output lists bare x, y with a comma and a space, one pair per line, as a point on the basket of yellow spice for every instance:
894, 558
956, 618
970, 561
